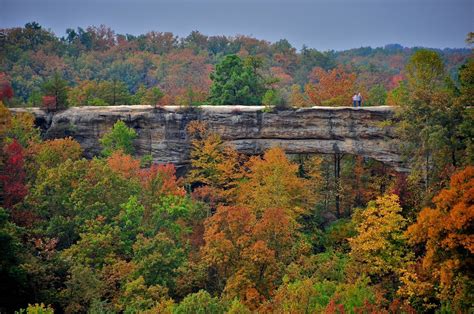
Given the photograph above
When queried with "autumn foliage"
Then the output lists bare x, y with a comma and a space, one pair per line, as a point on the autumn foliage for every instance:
445, 230
159, 180
215, 171
232, 233
5, 120
376, 249
51, 153
124, 164
331, 88
248, 254
12, 178
49, 103
6, 90
272, 182
250, 234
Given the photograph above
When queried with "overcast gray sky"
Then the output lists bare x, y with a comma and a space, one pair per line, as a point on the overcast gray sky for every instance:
321, 24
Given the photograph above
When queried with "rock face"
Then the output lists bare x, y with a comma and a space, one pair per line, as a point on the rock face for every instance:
162, 132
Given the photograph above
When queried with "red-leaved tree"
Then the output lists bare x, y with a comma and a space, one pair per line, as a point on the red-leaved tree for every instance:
12, 177
49, 103
6, 90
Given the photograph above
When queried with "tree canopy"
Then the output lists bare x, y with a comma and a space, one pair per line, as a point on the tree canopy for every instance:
119, 138
236, 82
232, 233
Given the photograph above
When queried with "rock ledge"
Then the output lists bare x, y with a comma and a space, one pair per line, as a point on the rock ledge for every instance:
162, 132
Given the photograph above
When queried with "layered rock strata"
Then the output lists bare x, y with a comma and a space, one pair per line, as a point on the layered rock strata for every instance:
251, 130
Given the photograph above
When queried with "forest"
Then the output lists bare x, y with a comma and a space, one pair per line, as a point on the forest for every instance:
101, 67
269, 233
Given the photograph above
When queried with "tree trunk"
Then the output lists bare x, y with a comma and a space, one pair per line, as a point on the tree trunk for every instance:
427, 170
337, 183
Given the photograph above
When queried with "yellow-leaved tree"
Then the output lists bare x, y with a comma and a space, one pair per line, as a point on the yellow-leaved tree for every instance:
5, 120
297, 98
272, 182
378, 248
215, 167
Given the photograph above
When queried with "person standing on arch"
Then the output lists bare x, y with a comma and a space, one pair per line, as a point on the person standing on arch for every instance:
359, 99
354, 100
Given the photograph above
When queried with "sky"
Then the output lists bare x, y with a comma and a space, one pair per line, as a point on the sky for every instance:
320, 24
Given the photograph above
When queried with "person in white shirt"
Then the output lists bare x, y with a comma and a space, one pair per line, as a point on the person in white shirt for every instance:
355, 100
359, 99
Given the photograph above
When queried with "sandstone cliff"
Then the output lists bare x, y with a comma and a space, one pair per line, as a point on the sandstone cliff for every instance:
162, 132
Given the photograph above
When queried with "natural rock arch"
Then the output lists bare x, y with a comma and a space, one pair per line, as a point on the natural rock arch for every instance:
162, 131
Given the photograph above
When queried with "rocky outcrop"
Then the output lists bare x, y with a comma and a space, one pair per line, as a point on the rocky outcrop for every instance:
162, 132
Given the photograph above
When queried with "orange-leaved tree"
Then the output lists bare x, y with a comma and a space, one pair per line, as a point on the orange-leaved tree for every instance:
158, 181
247, 255
51, 153
331, 88
124, 164
444, 271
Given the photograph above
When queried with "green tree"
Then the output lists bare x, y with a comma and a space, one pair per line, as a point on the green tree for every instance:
130, 221
425, 71
398, 96
51, 153
137, 97
114, 92
308, 296
103, 93
66, 196
466, 80
272, 98
235, 82
157, 259
295, 297
152, 96
138, 297
466, 100
119, 138
199, 303
346, 296
57, 87
98, 245
36, 309
81, 288
430, 120
173, 214
14, 277
377, 96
